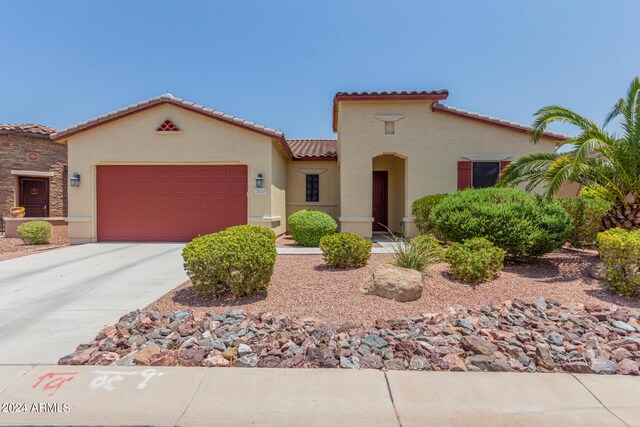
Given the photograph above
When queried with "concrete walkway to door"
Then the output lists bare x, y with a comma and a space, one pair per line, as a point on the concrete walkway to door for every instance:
53, 301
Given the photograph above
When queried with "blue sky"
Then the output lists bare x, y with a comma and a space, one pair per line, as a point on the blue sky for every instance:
279, 63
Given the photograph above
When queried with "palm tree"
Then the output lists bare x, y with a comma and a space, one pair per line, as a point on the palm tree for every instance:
605, 161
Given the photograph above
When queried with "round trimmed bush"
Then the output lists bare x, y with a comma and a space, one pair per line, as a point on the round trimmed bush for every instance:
509, 218
345, 249
238, 262
307, 227
35, 232
266, 232
422, 208
429, 244
475, 260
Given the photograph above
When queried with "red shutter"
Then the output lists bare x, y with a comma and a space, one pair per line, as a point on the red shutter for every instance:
464, 175
504, 164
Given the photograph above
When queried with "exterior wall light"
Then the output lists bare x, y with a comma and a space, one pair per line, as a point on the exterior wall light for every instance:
259, 180
74, 181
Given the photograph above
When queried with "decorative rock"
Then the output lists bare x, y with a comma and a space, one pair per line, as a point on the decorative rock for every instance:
454, 363
603, 366
215, 360
488, 363
598, 271
544, 358
628, 367
577, 367
143, 357
538, 336
622, 325
103, 358
371, 361
247, 361
395, 365
165, 358
478, 345
322, 358
192, 356
419, 363
373, 340
78, 358
397, 283
243, 350
352, 362
555, 339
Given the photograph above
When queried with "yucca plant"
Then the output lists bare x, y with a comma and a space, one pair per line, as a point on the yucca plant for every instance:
413, 255
607, 162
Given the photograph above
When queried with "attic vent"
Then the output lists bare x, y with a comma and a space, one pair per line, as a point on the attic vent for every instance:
168, 126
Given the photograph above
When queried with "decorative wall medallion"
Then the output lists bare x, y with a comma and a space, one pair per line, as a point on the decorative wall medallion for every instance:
168, 126
33, 156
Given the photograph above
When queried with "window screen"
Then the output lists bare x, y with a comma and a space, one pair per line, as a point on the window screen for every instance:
485, 174
313, 188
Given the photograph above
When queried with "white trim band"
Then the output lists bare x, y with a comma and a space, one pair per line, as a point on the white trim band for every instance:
355, 219
42, 174
78, 219
264, 218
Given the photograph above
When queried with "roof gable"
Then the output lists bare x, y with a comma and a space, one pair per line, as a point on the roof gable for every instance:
168, 98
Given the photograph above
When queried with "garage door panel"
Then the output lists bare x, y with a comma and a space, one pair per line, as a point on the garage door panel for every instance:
169, 203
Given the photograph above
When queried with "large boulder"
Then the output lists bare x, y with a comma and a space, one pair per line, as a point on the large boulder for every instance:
397, 283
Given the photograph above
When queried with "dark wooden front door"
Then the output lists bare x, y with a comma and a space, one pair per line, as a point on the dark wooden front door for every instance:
34, 196
379, 200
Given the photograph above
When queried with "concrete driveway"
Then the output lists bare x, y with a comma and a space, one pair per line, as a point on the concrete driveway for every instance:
53, 301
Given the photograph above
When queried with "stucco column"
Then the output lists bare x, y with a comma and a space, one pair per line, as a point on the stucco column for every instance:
355, 195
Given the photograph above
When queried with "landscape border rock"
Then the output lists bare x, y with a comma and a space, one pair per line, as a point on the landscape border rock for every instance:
517, 336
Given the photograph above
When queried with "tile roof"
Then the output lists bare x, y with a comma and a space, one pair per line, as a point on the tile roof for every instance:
313, 148
31, 128
411, 93
435, 95
495, 121
168, 98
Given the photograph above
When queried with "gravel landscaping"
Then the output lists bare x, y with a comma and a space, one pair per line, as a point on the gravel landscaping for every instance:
14, 248
303, 286
540, 336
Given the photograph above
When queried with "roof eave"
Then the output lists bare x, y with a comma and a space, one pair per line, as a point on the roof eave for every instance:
523, 129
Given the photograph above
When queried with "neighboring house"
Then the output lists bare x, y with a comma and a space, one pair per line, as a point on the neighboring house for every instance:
32, 173
167, 170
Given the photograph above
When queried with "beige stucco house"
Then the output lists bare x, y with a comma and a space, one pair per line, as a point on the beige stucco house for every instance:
167, 170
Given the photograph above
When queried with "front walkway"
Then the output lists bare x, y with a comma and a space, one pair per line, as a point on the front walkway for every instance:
51, 302
388, 247
313, 397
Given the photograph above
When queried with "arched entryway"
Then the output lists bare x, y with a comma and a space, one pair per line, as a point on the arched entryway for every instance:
388, 196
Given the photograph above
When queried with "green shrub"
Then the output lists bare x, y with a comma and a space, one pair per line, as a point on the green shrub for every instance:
266, 232
238, 262
430, 244
586, 217
475, 260
509, 218
421, 209
620, 252
345, 250
307, 227
35, 232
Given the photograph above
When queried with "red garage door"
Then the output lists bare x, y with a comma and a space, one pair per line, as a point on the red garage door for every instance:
169, 203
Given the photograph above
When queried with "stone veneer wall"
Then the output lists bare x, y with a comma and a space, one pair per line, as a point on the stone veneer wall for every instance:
15, 149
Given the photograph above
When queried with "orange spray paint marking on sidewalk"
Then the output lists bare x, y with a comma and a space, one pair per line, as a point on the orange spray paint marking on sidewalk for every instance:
55, 381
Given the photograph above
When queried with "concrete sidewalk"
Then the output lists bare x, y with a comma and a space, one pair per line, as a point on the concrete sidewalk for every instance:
90, 395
